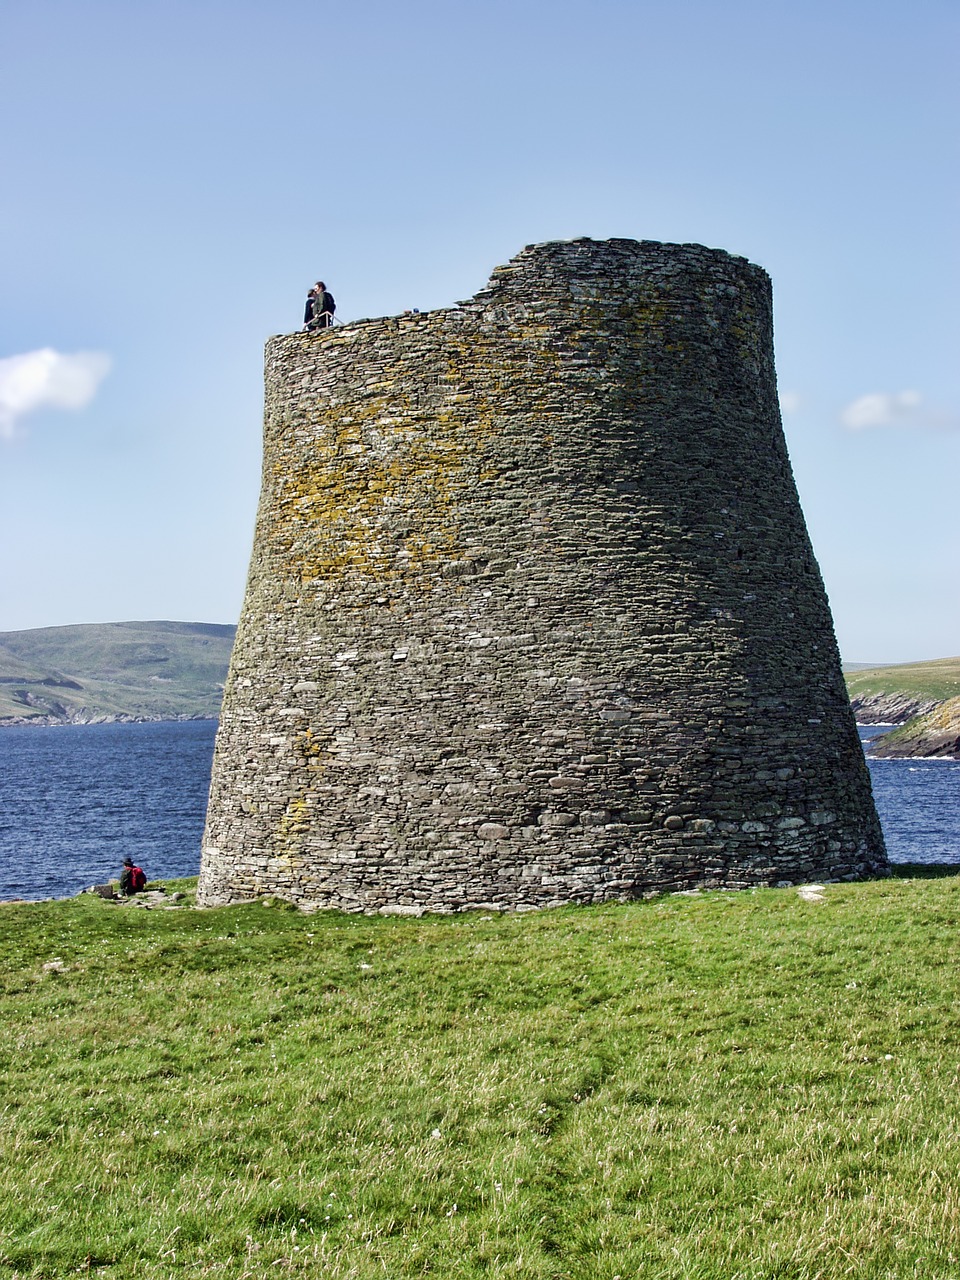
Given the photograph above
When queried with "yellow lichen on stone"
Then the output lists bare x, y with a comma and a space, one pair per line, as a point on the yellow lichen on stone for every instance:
336, 505
295, 821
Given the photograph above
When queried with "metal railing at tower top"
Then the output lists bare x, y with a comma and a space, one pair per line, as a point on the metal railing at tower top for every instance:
313, 326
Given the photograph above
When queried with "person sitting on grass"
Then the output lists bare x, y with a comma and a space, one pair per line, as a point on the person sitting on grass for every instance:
132, 878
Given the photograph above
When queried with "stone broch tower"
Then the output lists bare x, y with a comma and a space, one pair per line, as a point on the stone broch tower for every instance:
532, 614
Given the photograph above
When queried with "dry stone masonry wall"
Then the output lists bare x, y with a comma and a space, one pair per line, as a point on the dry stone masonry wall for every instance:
532, 614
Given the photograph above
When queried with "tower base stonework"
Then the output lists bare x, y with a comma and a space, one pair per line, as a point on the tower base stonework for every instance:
532, 615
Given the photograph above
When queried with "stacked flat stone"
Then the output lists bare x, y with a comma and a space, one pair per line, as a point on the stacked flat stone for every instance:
532, 616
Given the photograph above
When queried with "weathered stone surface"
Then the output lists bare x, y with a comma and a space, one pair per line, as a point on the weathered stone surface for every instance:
522, 565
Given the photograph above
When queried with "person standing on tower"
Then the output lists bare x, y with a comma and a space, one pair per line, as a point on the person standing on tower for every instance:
308, 306
318, 313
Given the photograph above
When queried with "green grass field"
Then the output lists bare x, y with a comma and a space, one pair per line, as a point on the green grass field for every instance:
937, 680
722, 1085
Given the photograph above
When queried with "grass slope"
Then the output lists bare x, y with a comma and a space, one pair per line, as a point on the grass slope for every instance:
716, 1087
152, 670
924, 681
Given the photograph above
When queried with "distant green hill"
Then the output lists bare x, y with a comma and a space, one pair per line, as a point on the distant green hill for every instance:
113, 671
896, 694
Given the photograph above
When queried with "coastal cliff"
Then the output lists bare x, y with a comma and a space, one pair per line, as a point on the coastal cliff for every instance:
923, 698
890, 708
935, 734
897, 693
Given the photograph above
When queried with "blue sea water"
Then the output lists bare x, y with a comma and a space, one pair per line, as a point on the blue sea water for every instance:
74, 801
919, 804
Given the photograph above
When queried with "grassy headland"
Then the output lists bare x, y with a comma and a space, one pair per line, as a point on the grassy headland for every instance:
117, 670
902, 691
935, 734
712, 1087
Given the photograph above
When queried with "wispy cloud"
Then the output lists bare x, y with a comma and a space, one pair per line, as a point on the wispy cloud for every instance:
894, 409
47, 379
789, 401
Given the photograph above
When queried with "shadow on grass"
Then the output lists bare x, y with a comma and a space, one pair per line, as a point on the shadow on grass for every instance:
924, 870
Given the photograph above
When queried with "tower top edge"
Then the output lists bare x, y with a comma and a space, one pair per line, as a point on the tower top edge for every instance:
587, 245
582, 257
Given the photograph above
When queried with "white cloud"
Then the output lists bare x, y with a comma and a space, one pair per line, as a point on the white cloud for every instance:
893, 409
789, 401
48, 379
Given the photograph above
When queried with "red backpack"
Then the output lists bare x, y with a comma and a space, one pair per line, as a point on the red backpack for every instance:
138, 878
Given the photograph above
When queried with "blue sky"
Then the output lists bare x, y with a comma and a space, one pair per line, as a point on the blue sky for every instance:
176, 175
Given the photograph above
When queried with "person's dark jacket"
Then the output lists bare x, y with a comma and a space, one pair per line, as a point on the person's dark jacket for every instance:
318, 313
